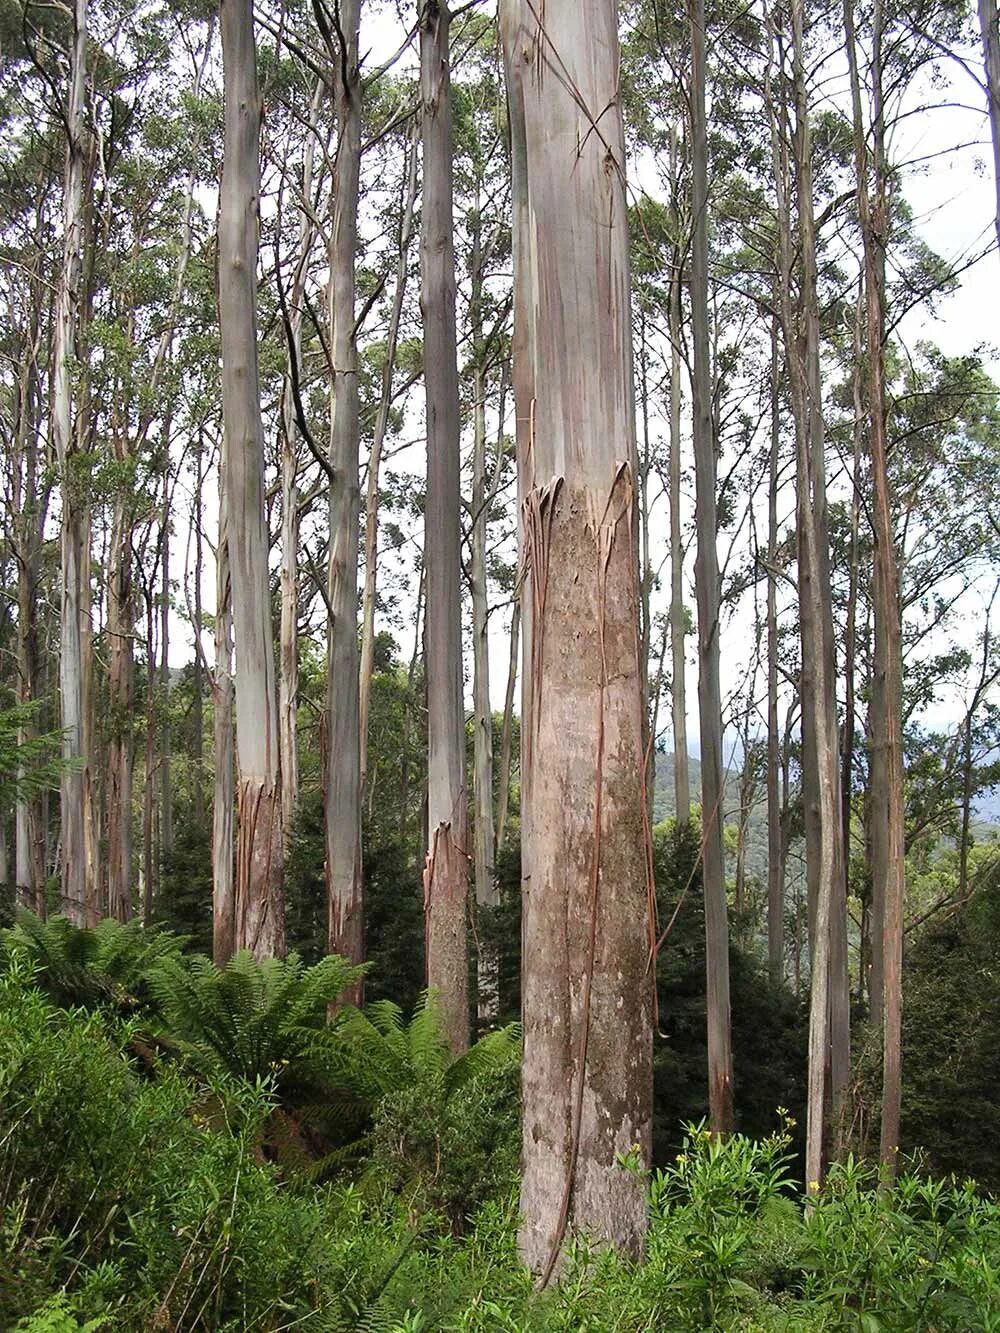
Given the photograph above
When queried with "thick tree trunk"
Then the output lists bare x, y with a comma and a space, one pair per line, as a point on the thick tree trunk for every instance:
223, 879
260, 908
587, 988
198, 705
76, 872
720, 1057
375, 462
149, 859
345, 891
446, 864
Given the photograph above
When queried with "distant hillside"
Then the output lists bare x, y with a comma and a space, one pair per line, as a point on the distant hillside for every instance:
664, 806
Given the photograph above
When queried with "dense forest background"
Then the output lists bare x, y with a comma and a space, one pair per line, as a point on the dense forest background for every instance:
302, 336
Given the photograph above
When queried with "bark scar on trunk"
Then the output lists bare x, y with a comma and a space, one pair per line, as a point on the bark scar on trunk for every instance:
540, 507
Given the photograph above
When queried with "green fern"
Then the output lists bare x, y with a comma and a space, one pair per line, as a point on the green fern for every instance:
252, 1019
77, 966
378, 1054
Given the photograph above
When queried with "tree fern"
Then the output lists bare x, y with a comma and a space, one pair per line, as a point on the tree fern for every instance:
252, 1019
78, 966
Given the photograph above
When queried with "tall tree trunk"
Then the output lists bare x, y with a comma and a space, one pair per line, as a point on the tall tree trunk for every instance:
223, 879
76, 872
887, 703
445, 867
260, 907
120, 701
29, 509
166, 786
345, 890
775, 868
678, 627
288, 687
720, 1056
198, 678
149, 858
587, 989
375, 460
829, 1003
988, 27
487, 894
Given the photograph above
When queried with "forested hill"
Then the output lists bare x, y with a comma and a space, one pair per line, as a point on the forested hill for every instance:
664, 807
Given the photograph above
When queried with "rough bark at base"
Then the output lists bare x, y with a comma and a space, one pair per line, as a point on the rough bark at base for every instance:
446, 887
587, 996
259, 908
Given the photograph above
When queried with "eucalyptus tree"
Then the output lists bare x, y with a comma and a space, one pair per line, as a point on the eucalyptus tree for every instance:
587, 994
445, 875
259, 897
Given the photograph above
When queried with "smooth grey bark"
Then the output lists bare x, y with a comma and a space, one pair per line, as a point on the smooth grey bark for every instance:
342, 793
259, 897
587, 988
707, 592
990, 32
829, 1047
166, 839
370, 586
446, 865
76, 871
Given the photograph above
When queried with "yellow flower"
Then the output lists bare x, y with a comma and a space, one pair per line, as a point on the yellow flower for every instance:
814, 1186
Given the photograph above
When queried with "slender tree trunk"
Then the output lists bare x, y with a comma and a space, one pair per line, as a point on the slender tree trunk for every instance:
445, 867
149, 861
260, 907
886, 706
166, 786
76, 874
375, 460
345, 890
988, 27
829, 1033
775, 876
507, 731
223, 878
121, 620
288, 697
587, 990
720, 1057
198, 679
678, 627
487, 895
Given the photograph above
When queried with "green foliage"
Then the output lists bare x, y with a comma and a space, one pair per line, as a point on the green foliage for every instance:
951, 1036
134, 1199
251, 1020
110, 964
445, 1132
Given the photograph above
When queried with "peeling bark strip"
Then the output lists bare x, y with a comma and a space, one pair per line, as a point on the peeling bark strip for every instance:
259, 899
587, 993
